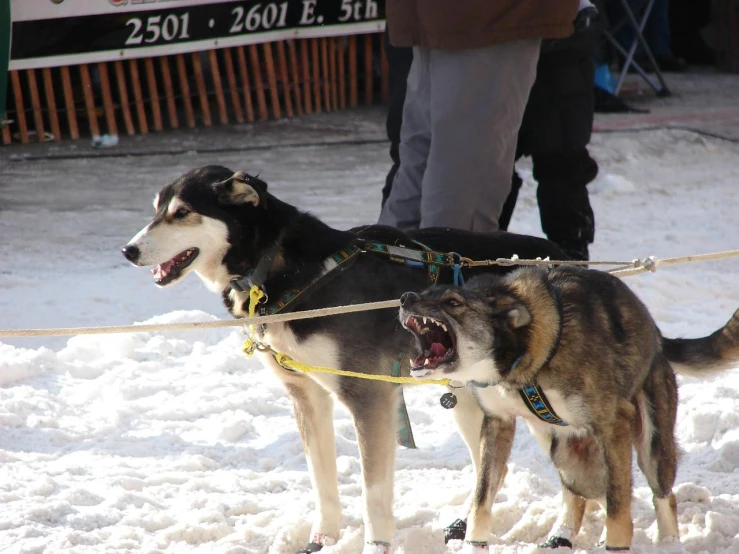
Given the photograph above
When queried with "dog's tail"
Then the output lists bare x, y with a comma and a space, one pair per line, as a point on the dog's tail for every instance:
701, 357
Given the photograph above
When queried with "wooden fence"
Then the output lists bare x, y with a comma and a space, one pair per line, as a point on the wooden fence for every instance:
257, 82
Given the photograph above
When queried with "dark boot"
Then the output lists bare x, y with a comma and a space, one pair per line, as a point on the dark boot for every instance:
575, 249
564, 205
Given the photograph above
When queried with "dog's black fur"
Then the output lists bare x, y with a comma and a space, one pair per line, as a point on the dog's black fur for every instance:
306, 242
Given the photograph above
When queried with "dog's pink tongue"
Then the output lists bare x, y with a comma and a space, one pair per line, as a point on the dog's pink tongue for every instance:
161, 270
438, 350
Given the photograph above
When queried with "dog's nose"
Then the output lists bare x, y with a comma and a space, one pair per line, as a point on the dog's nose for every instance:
131, 252
408, 298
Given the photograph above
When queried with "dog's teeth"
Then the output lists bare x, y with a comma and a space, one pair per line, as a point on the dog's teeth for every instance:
443, 326
426, 362
424, 320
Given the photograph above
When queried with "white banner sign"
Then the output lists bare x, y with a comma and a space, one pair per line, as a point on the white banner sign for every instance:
48, 33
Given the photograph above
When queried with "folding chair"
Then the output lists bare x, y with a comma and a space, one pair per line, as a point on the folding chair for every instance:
638, 26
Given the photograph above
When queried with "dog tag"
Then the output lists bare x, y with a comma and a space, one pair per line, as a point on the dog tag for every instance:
448, 400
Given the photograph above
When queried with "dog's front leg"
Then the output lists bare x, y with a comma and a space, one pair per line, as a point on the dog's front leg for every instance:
495, 448
314, 414
469, 416
375, 410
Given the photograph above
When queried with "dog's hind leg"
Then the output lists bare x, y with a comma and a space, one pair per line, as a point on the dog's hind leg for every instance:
374, 408
495, 448
656, 448
616, 439
314, 414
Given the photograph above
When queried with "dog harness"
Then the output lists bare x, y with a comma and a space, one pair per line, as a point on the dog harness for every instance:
341, 260
532, 395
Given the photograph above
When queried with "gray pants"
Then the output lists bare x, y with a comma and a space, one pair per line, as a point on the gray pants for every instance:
462, 112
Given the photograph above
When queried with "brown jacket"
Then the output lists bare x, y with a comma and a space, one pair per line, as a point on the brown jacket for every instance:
456, 24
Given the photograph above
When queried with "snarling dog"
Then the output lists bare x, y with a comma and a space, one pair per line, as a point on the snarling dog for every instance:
229, 230
577, 355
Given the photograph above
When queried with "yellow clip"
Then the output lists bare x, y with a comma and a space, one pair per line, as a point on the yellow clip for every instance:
249, 347
255, 297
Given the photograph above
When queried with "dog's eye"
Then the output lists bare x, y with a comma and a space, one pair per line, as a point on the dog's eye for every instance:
453, 302
181, 212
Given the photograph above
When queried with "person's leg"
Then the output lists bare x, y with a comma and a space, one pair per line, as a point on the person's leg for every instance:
564, 204
402, 208
657, 29
557, 127
658, 35
399, 63
477, 102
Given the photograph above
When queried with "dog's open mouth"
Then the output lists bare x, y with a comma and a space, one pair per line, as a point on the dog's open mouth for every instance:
170, 270
435, 342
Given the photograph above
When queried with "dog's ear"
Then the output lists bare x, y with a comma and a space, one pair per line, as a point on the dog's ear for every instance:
504, 304
518, 316
513, 310
241, 189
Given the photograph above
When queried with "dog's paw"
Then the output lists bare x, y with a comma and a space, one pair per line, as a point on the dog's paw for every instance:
377, 548
317, 542
310, 548
556, 542
456, 531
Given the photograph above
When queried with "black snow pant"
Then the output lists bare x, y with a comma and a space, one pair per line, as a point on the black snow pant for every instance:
555, 132
564, 205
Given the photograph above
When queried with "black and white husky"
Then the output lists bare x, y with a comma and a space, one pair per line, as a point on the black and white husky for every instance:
225, 227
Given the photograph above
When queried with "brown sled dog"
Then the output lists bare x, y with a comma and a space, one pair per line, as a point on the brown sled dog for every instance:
578, 356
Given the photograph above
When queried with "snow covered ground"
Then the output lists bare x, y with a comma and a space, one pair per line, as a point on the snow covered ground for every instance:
175, 442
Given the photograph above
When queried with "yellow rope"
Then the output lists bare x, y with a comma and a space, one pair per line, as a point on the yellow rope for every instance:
251, 344
288, 363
